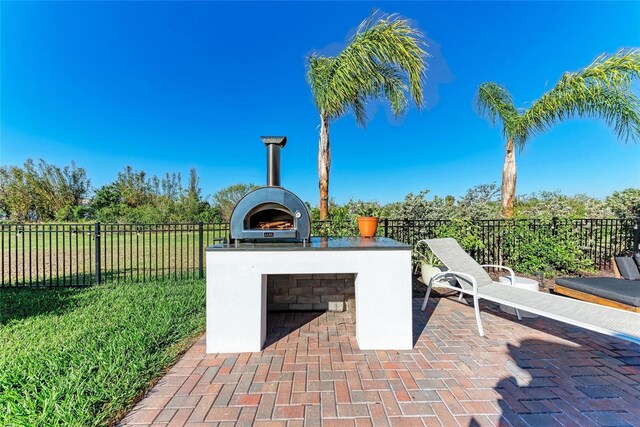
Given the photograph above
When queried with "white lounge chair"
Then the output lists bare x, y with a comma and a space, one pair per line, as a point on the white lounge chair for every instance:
475, 281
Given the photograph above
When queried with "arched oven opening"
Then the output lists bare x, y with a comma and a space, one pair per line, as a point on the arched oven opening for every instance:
269, 216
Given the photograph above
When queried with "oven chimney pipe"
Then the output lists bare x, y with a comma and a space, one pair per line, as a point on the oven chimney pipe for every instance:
273, 144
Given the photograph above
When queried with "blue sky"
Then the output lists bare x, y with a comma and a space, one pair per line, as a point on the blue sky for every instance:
164, 87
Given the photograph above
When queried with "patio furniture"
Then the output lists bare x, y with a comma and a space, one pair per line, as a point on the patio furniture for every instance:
627, 267
521, 283
474, 280
609, 291
621, 291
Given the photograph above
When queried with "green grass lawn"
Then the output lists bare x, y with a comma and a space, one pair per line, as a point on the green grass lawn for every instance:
82, 356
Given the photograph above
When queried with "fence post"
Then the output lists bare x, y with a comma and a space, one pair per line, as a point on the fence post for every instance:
406, 231
636, 236
200, 249
386, 227
97, 257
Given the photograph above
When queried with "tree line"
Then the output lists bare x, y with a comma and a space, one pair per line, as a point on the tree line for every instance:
483, 202
43, 192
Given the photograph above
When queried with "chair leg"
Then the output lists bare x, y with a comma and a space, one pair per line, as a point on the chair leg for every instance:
426, 297
476, 306
518, 314
460, 296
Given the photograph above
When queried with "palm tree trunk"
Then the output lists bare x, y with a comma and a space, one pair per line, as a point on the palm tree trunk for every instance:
324, 164
508, 180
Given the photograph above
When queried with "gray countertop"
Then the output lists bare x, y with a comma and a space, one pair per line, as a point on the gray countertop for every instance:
318, 244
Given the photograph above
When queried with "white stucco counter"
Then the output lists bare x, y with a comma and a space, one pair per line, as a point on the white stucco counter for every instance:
237, 287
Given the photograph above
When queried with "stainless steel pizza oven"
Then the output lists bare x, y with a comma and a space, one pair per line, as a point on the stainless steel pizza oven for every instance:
271, 213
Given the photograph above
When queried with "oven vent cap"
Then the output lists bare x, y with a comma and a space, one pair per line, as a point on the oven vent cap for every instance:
277, 140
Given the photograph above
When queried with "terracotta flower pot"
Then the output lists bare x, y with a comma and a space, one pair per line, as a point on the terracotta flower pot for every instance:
368, 225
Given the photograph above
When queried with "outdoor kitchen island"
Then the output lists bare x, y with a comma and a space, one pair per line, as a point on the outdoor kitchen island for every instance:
237, 288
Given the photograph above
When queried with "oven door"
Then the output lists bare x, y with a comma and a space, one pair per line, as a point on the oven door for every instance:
269, 234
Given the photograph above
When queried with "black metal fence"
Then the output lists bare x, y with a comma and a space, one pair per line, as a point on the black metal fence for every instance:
51, 255
599, 239
85, 254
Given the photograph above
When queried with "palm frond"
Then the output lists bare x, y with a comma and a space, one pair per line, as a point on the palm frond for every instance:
385, 82
384, 60
617, 70
601, 90
318, 77
494, 103
393, 41
619, 109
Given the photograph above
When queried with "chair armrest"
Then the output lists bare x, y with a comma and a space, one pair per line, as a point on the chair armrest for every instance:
511, 273
469, 277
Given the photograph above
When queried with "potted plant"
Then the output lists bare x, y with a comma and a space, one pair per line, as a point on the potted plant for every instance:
368, 215
428, 265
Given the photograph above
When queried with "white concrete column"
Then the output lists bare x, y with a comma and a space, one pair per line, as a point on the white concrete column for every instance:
383, 302
236, 307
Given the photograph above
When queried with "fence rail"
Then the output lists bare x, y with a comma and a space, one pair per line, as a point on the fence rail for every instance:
600, 239
51, 255
85, 254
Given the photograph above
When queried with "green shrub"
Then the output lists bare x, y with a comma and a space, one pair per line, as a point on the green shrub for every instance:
550, 251
464, 231
360, 208
625, 203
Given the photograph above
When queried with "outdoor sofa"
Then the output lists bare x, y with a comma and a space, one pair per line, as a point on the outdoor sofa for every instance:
622, 291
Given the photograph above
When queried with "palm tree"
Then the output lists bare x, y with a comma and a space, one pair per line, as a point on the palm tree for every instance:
601, 90
385, 59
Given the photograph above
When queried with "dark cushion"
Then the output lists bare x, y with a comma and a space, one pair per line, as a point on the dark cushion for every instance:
636, 258
618, 290
628, 268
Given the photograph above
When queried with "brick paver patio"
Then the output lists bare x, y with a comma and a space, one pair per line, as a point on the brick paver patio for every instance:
537, 372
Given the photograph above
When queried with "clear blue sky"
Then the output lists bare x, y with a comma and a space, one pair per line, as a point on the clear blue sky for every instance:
167, 86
